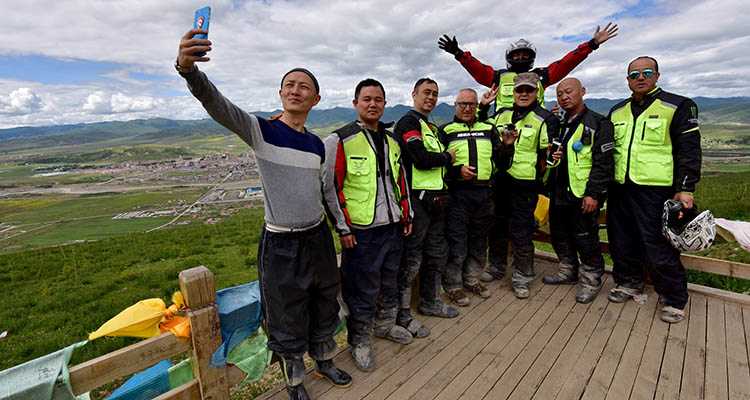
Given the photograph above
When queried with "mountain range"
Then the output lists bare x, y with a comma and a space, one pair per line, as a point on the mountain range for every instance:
735, 110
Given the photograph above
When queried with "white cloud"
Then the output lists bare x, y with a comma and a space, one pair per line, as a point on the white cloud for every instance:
101, 103
20, 101
700, 46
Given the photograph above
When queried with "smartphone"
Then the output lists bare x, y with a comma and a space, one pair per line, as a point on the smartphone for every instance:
509, 128
555, 147
202, 18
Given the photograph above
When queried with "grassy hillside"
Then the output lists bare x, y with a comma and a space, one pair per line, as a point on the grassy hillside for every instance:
60, 294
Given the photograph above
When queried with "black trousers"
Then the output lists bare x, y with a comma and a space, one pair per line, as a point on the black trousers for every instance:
468, 224
425, 252
514, 217
299, 282
574, 233
368, 280
634, 215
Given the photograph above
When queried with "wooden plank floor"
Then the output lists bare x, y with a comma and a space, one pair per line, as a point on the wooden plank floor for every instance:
550, 347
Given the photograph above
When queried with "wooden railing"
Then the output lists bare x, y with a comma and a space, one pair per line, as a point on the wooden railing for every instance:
199, 291
691, 262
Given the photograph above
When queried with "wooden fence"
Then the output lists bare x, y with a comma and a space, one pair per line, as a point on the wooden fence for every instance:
198, 288
199, 291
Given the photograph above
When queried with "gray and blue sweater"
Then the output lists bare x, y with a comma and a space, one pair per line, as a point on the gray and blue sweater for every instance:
289, 162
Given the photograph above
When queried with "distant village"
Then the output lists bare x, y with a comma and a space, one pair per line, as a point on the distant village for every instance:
210, 169
192, 170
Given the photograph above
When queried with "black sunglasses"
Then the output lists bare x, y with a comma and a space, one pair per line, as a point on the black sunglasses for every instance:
524, 89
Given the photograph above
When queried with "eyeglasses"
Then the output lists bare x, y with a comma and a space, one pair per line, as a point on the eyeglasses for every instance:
525, 89
464, 104
647, 73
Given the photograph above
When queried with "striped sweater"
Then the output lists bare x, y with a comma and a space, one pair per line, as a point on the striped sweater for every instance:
289, 162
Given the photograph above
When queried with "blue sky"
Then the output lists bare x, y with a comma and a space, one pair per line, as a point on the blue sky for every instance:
116, 62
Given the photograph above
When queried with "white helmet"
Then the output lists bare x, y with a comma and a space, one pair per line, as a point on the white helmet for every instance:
687, 230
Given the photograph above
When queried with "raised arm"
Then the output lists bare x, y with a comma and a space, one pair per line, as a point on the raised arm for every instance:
483, 74
559, 69
222, 110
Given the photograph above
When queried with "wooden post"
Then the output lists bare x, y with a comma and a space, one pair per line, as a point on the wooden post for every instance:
199, 292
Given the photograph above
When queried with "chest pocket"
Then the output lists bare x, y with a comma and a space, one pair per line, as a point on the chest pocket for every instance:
654, 131
621, 128
358, 167
526, 138
506, 94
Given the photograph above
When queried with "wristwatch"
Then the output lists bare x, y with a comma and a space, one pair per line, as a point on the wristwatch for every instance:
182, 69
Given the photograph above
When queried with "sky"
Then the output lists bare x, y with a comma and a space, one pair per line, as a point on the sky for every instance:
79, 61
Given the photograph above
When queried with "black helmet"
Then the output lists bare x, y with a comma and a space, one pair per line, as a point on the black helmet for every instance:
520, 65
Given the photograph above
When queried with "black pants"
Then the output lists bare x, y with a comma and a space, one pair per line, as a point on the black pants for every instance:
574, 233
514, 217
368, 278
468, 224
299, 282
634, 215
425, 243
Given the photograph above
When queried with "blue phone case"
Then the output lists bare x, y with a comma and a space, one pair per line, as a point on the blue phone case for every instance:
202, 18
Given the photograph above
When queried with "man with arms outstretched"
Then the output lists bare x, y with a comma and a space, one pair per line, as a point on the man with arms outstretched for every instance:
519, 57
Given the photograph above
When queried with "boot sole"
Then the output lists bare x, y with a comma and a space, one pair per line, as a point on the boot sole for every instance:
319, 375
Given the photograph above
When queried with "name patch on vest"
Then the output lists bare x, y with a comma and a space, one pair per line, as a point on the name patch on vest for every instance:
469, 134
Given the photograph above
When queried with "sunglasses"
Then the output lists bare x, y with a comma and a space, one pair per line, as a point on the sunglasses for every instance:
647, 73
525, 89
463, 104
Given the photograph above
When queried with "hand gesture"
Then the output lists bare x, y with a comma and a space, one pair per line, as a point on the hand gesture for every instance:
450, 45
589, 204
186, 57
609, 32
467, 172
452, 152
489, 96
509, 137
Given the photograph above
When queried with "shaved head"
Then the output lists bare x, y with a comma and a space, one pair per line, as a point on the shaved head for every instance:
571, 81
570, 95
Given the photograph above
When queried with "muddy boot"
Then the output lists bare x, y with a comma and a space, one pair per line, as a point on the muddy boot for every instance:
478, 290
326, 370
459, 297
672, 315
297, 392
294, 376
363, 358
621, 294
417, 329
491, 273
439, 309
566, 275
587, 293
396, 333
521, 290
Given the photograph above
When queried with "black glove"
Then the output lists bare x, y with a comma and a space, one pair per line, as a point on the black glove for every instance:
450, 46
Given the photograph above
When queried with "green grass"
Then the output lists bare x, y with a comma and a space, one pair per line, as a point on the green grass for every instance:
8, 208
713, 168
56, 296
102, 204
727, 195
91, 229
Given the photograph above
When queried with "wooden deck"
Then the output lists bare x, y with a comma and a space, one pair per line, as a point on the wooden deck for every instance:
550, 347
